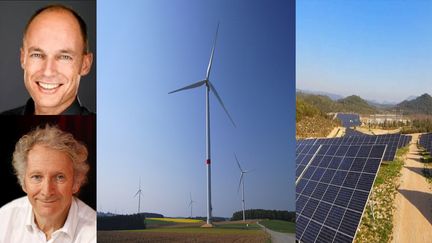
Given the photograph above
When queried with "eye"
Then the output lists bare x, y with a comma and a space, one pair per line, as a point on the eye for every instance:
60, 178
36, 178
36, 55
65, 57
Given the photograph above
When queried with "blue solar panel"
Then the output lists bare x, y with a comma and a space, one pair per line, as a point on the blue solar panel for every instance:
352, 132
393, 142
425, 141
332, 192
349, 120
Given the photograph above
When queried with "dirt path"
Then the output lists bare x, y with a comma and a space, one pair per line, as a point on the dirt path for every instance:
413, 213
277, 237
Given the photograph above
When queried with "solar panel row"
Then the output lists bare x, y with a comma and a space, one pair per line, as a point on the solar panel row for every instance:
349, 120
333, 190
393, 142
352, 132
426, 141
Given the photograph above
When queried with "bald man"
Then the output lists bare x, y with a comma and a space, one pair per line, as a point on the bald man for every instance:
54, 56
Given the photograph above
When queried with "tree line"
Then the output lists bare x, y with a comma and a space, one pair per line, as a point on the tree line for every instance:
265, 214
121, 222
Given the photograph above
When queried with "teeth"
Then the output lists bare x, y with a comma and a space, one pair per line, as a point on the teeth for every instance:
48, 86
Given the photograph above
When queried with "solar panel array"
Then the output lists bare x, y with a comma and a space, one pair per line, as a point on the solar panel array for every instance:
352, 132
393, 142
333, 189
349, 120
426, 141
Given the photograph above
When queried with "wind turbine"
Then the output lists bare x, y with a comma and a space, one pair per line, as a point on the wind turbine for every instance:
139, 193
241, 183
191, 204
209, 87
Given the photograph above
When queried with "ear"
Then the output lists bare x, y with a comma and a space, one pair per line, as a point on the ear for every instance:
75, 188
22, 57
86, 64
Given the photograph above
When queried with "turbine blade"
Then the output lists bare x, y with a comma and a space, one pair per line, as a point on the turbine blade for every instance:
212, 54
212, 88
240, 181
137, 193
238, 163
194, 85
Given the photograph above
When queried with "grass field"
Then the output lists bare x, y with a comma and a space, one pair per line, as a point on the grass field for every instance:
279, 226
236, 232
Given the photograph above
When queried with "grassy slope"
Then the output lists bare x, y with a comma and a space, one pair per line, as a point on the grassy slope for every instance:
279, 226
379, 229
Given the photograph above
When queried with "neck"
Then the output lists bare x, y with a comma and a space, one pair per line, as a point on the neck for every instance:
50, 224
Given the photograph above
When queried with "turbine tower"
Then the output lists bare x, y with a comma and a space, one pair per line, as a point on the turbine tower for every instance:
241, 183
209, 87
139, 193
191, 204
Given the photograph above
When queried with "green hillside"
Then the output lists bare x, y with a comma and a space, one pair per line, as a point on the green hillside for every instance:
311, 121
420, 105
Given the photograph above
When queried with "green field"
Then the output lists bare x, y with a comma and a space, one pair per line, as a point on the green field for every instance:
239, 226
157, 223
279, 226
215, 230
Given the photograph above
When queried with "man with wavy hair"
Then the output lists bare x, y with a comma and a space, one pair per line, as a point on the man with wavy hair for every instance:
51, 166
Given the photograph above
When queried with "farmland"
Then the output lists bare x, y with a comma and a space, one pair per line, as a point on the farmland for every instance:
189, 232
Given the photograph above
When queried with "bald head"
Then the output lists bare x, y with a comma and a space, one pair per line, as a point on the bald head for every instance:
56, 14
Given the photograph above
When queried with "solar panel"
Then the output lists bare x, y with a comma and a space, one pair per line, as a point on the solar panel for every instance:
391, 140
426, 141
349, 120
332, 192
305, 151
352, 132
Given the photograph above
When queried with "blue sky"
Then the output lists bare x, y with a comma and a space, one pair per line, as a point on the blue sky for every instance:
149, 48
378, 49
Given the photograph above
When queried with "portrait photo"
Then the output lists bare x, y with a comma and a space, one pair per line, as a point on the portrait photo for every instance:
48, 167
49, 57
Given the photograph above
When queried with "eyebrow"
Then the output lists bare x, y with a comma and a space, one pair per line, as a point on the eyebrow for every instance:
62, 51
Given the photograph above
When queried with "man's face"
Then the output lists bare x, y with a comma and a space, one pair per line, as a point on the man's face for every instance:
49, 182
53, 61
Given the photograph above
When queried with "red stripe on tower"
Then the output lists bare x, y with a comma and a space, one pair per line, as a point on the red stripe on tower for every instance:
208, 161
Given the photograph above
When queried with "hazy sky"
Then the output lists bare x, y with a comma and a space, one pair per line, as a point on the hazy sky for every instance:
149, 48
378, 49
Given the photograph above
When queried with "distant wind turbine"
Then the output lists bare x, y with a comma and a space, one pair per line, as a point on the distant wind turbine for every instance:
139, 194
241, 183
209, 87
191, 202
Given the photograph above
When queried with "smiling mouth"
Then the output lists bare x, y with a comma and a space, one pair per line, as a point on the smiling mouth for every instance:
48, 86
48, 201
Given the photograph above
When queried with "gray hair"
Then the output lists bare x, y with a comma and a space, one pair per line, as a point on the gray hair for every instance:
54, 138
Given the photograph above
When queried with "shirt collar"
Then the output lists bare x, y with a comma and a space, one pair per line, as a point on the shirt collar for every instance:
69, 226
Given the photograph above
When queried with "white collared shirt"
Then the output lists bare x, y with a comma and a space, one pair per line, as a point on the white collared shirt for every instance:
17, 224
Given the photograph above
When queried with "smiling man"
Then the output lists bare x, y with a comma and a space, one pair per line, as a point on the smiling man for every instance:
51, 168
54, 56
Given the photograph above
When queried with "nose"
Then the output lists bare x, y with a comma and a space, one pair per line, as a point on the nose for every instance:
49, 68
48, 187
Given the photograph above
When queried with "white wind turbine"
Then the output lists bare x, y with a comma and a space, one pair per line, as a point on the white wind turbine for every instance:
191, 202
209, 87
139, 194
241, 183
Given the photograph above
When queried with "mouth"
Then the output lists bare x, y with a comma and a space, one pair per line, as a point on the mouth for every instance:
48, 87
47, 201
